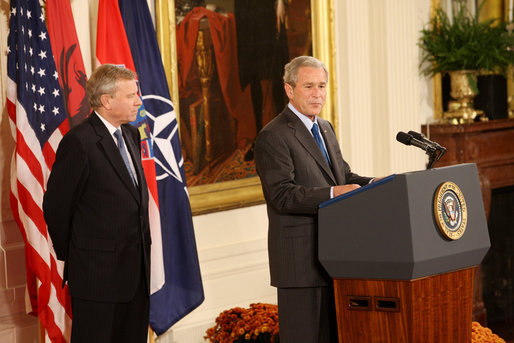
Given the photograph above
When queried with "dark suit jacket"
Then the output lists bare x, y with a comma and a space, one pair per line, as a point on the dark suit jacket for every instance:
295, 179
96, 217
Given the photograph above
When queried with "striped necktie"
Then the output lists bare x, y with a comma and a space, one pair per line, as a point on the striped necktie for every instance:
317, 138
123, 152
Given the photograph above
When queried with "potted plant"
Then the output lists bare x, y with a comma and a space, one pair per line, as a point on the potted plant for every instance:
463, 46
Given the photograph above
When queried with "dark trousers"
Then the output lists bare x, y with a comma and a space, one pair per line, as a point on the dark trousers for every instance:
307, 315
103, 322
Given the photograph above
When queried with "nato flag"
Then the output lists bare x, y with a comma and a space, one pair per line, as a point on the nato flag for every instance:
182, 291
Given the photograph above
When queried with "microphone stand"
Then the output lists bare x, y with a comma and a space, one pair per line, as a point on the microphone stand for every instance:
434, 156
431, 159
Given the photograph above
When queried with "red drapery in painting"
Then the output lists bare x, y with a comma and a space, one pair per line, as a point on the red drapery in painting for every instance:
223, 34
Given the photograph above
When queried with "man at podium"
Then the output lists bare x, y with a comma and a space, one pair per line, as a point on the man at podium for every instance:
300, 165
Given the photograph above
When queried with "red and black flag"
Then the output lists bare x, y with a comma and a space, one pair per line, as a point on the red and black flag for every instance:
68, 59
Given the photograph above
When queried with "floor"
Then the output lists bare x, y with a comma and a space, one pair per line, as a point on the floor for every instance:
505, 330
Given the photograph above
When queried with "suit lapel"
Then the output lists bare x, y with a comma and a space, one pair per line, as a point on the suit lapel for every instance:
106, 143
305, 138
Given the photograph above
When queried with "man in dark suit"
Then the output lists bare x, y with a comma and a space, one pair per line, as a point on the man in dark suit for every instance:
96, 209
297, 174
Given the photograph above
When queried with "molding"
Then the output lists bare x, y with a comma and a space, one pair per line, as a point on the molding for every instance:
233, 249
215, 265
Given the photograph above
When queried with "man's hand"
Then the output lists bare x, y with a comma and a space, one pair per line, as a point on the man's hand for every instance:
338, 190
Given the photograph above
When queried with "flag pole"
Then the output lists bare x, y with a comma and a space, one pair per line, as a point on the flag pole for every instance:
42, 338
151, 335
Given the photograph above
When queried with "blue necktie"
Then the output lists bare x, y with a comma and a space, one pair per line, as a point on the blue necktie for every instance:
123, 152
317, 138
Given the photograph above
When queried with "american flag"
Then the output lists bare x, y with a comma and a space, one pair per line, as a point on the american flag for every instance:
38, 122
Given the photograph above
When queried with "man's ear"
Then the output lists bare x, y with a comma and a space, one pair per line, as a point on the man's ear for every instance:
105, 99
289, 90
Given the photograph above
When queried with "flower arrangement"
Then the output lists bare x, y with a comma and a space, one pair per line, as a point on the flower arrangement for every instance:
257, 324
479, 334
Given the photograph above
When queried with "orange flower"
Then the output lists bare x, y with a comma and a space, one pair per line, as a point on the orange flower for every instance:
259, 323
479, 334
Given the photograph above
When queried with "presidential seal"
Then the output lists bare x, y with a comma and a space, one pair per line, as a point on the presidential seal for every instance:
451, 213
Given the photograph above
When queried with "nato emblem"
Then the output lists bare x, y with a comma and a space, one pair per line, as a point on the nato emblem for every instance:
451, 213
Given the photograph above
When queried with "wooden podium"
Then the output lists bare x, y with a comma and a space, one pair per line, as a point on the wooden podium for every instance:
489, 145
397, 275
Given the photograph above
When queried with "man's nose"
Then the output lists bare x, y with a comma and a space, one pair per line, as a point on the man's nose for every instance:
317, 92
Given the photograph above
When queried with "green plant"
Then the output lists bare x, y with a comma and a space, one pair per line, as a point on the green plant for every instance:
465, 43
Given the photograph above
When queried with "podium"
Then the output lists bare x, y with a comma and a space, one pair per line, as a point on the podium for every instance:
402, 253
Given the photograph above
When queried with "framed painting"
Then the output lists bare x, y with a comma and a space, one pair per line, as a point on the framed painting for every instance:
224, 61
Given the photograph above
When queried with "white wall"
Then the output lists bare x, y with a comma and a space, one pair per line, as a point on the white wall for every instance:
234, 265
380, 91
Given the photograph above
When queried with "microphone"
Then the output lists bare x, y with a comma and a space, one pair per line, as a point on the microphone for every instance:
422, 138
408, 139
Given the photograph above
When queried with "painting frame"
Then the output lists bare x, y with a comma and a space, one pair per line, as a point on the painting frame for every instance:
245, 192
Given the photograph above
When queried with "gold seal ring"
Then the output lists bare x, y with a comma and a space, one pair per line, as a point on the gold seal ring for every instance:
450, 210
